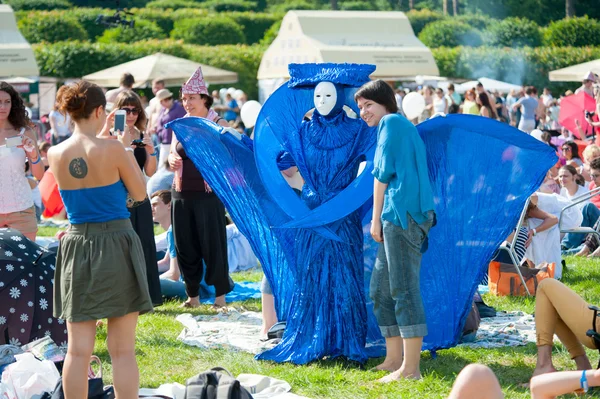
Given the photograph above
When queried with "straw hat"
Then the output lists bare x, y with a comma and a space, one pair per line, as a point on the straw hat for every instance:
163, 94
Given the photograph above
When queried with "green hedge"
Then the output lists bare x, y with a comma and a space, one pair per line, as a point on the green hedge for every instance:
254, 25
87, 19
162, 18
358, 6
477, 21
76, 59
142, 30
46, 5
172, 4
576, 32
271, 34
50, 26
211, 30
514, 32
450, 33
229, 5
524, 65
419, 18
294, 5
110, 3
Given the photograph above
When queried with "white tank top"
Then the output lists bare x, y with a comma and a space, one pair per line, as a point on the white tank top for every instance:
15, 192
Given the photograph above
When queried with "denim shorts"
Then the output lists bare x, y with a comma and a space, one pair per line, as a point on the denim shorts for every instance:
395, 282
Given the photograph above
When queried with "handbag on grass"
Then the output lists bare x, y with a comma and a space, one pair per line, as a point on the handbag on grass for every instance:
504, 280
96, 389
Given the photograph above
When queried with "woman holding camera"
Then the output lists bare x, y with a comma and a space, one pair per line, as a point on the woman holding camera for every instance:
17, 145
99, 266
146, 157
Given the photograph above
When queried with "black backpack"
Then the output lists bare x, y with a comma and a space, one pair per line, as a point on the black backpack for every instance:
216, 383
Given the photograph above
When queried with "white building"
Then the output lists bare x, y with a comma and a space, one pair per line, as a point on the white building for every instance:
385, 39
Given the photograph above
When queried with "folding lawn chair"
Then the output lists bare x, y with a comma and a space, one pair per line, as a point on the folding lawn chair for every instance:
574, 202
511, 248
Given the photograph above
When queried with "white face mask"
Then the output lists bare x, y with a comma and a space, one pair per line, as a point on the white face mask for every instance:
325, 97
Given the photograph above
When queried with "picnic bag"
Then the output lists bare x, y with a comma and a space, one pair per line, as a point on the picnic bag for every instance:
96, 389
504, 280
216, 383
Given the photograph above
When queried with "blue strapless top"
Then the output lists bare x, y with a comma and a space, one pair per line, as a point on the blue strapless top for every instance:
96, 204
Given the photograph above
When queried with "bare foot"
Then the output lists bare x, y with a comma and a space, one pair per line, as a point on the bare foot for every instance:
388, 365
220, 302
583, 252
594, 254
543, 370
191, 303
398, 375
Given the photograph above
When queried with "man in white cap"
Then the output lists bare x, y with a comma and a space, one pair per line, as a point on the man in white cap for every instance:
588, 84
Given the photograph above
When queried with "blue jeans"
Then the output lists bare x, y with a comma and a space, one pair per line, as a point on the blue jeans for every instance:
591, 213
172, 289
395, 283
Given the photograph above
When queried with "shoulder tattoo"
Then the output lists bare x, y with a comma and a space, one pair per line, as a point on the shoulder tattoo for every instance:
78, 168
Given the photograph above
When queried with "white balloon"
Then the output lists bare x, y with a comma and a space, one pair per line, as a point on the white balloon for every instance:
413, 105
231, 90
222, 93
238, 94
249, 113
419, 80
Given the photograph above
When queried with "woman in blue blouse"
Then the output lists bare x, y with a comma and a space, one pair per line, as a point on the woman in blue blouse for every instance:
403, 213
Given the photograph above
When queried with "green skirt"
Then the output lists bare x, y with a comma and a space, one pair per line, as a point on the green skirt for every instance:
100, 272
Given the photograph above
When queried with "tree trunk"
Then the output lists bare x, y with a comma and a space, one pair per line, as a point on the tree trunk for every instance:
334, 5
455, 7
411, 4
445, 7
570, 8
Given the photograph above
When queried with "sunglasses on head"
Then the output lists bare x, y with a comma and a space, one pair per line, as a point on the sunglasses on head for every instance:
132, 111
566, 149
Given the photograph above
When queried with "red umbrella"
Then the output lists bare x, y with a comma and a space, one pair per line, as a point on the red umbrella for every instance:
574, 107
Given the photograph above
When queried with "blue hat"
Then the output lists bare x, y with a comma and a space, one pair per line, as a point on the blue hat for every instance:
309, 75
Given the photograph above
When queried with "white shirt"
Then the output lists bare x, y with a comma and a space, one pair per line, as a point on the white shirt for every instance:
545, 246
15, 195
62, 123
439, 105
580, 191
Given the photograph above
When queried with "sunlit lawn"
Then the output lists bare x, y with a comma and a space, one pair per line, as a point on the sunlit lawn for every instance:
163, 359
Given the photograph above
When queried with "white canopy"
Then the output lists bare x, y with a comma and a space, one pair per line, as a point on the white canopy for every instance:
173, 70
488, 85
385, 39
575, 73
16, 55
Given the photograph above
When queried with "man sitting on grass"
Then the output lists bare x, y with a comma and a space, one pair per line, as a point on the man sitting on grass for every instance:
171, 285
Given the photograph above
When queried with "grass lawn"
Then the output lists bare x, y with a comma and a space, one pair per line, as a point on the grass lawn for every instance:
163, 359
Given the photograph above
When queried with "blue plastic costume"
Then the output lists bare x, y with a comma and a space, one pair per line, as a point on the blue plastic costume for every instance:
481, 171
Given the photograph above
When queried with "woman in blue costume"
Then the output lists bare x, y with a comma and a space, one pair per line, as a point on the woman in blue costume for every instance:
328, 312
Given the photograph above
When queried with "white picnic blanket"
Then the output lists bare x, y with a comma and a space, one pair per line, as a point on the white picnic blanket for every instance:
506, 329
234, 330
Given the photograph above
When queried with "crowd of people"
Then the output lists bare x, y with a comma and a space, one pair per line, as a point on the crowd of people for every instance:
523, 108
115, 185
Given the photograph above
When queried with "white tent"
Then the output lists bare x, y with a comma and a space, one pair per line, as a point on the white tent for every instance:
173, 70
575, 73
385, 39
16, 55
488, 85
